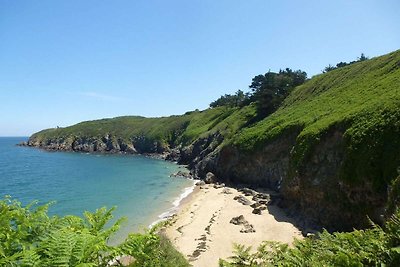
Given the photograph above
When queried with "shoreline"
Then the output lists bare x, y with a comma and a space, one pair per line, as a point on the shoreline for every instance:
176, 204
204, 229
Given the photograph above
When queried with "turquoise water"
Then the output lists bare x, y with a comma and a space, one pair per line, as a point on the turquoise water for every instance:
140, 187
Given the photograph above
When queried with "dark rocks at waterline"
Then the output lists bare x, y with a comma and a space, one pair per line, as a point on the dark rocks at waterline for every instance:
182, 174
22, 144
200, 183
173, 155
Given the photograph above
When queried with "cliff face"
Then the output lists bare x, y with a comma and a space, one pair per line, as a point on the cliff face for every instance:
332, 150
106, 144
315, 190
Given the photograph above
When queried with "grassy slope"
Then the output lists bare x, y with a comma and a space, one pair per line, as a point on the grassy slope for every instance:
363, 99
173, 130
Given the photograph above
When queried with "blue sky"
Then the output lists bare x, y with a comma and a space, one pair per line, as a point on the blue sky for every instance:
62, 62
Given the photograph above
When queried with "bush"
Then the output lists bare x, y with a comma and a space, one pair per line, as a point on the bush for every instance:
29, 237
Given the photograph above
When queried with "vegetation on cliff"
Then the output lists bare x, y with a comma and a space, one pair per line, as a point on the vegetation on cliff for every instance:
29, 237
361, 99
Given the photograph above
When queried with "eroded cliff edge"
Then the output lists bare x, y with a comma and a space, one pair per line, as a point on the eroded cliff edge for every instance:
332, 149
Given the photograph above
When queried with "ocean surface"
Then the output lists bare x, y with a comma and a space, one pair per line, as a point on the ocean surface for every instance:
141, 188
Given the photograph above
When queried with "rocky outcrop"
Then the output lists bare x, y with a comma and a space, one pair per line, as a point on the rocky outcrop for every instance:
105, 144
201, 155
266, 167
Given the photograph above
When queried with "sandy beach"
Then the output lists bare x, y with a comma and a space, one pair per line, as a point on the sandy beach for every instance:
203, 231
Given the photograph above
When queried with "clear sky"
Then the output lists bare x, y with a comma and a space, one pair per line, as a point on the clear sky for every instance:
62, 62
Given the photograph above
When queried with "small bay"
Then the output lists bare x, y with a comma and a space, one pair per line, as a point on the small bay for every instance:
140, 187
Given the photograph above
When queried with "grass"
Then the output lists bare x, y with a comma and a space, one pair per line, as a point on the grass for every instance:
362, 100
172, 131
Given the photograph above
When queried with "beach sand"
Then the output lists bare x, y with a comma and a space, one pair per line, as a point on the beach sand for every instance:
202, 231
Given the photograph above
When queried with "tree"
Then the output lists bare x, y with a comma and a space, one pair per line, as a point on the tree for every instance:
362, 57
271, 89
236, 100
328, 68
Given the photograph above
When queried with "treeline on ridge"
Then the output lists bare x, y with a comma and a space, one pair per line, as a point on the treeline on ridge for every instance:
269, 90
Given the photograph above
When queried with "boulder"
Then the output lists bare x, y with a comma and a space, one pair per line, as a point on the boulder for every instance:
200, 183
263, 196
216, 186
210, 178
257, 211
248, 228
226, 191
262, 207
248, 191
182, 174
242, 200
238, 220
255, 205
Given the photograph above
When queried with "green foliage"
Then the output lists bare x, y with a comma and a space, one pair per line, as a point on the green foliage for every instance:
29, 237
343, 64
236, 100
271, 89
361, 101
372, 247
268, 91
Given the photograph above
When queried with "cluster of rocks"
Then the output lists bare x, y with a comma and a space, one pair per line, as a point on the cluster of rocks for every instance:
202, 245
242, 200
240, 220
182, 174
200, 248
261, 200
211, 180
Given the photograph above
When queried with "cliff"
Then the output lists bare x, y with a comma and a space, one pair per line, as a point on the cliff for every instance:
332, 149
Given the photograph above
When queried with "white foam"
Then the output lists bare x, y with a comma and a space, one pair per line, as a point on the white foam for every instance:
167, 214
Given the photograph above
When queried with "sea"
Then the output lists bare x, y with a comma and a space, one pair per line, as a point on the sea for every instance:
139, 187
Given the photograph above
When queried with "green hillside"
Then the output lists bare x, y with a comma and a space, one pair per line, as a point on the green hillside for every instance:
170, 131
363, 99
